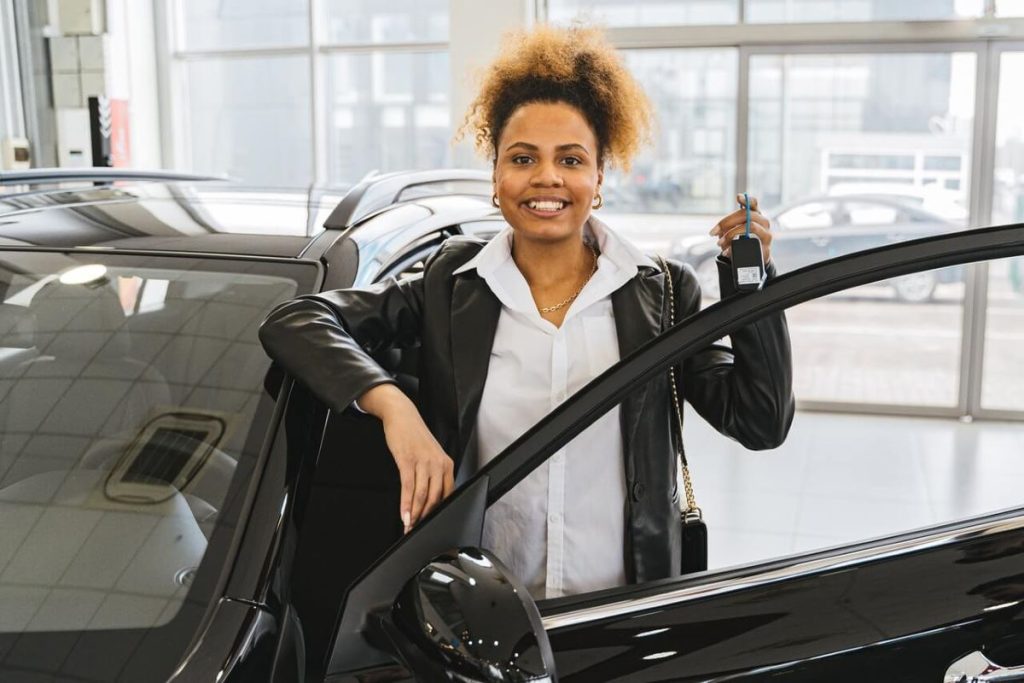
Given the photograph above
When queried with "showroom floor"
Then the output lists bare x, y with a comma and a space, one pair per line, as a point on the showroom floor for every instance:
841, 478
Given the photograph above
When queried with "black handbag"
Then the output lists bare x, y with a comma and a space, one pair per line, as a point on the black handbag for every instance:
694, 536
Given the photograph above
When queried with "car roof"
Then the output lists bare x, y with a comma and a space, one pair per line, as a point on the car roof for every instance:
199, 214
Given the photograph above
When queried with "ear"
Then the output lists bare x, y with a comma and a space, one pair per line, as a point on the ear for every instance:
600, 176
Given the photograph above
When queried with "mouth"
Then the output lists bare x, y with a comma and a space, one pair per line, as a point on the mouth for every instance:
546, 206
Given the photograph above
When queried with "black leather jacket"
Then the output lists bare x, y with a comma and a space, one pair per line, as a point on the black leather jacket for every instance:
325, 340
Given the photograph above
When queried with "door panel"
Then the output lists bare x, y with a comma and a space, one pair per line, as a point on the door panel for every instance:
904, 618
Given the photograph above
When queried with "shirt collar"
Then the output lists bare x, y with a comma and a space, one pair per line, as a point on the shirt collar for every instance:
624, 255
618, 263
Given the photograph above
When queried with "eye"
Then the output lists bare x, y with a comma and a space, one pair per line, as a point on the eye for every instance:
520, 159
572, 161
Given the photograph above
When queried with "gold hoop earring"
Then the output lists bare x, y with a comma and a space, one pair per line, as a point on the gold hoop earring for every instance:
494, 200
598, 202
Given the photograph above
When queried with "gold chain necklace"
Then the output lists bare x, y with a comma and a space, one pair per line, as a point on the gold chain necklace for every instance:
549, 309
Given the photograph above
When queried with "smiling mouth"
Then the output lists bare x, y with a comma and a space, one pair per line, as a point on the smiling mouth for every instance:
545, 205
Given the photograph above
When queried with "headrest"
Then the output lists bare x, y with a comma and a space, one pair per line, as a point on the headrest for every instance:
70, 311
17, 327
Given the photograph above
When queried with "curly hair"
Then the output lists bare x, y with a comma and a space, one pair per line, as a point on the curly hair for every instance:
575, 65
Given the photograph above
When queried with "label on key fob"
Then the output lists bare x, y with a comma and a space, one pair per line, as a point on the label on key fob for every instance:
748, 276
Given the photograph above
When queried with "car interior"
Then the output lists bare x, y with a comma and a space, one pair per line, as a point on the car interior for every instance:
121, 435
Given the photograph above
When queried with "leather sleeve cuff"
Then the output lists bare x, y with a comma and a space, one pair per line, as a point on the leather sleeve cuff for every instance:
726, 286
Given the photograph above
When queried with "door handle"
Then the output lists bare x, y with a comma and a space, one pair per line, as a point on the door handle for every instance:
977, 668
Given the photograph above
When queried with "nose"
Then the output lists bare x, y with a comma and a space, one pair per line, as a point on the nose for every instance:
546, 174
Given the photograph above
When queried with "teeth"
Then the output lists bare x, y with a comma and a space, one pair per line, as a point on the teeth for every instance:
546, 205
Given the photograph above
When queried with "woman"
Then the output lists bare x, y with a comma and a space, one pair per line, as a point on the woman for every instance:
509, 329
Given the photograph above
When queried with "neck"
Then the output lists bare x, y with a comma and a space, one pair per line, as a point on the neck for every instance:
549, 264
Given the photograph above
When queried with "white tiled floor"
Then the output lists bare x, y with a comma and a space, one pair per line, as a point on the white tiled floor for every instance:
845, 478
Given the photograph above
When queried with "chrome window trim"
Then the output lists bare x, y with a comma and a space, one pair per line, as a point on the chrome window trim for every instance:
795, 569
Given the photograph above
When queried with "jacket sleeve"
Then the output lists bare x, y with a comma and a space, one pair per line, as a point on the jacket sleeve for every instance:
325, 340
745, 392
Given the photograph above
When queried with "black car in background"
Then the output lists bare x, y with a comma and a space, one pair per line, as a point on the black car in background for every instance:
819, 228
174, 508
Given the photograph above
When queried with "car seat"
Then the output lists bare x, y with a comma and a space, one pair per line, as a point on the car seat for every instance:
81, 384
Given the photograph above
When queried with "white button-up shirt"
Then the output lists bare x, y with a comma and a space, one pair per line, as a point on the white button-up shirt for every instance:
560, 530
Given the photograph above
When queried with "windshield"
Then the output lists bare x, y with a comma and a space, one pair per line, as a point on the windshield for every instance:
128, 388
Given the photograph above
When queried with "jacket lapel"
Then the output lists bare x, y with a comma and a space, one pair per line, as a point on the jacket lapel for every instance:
638, 313
474, 321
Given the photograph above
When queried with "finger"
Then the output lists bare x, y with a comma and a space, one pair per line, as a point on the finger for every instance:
739, 218
759, 223
753, 201
408, 478
434, 491
449, 483
419, 496
726, 239
760, 219
763, 233
734, 218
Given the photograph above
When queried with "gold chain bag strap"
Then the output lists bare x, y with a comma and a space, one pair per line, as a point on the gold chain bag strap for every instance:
694, 556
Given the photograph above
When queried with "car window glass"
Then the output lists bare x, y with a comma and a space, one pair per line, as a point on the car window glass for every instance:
128, 387
866, 213
840, 477
483, 229
807, 216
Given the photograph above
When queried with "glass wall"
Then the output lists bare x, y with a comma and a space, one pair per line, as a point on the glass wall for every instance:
1004, 338
856, 151
387, 21
674, 12
690, 166
646, 12
778, 11
387, 111
846, 146
897, 125
1010, 8
252, 24
247, 75
257, 134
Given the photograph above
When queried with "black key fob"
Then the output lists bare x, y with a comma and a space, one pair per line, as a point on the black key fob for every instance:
748, 272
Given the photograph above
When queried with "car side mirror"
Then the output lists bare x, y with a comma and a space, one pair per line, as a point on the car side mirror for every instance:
465, 617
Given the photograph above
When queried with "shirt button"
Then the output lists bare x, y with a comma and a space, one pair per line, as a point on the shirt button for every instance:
554, 518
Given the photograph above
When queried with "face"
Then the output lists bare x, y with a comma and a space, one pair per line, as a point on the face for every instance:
547, 173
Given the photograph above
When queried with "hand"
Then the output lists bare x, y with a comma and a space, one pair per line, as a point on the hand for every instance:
736, 223
426, 471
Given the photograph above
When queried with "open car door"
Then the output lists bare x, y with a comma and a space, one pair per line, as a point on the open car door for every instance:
940, 603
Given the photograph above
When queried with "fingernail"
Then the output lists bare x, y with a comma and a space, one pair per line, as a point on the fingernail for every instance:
407, 520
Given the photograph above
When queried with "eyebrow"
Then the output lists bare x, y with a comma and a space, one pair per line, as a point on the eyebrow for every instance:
560, 148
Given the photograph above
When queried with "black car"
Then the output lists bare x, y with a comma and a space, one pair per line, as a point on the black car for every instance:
819, 228
174, 508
